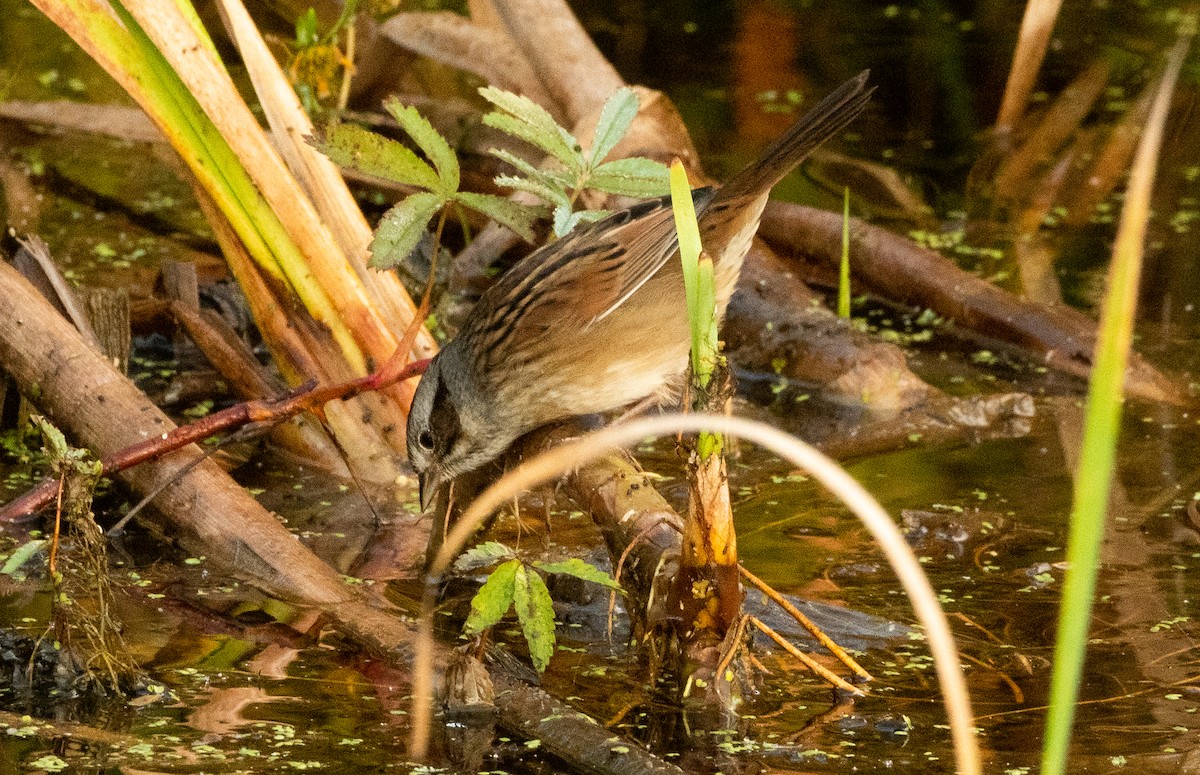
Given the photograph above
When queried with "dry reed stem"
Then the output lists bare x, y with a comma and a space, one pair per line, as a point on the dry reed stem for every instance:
1032, 42
319, 176
205, 77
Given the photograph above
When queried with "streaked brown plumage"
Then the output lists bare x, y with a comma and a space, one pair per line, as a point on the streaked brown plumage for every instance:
597, 319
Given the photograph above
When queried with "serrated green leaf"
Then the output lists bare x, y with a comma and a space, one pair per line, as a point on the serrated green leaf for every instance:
553, 197
548, 184
634, 176
564, 220
559, 149
431, 143
522, 165
401, 228
352, 146
618, 112
529, 121
553, 176
493, 599
481, 556
514, 215
580, 570
535, 611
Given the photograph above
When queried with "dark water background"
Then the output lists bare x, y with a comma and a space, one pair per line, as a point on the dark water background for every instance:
995, 511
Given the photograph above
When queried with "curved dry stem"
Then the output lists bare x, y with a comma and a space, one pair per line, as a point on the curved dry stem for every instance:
554, 463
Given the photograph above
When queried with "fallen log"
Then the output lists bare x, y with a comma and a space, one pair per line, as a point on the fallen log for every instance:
894, 268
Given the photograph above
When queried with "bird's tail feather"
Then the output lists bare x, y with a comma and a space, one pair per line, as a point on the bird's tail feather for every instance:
816, 126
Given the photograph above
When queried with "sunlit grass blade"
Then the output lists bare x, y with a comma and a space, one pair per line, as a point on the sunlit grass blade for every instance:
1102, 422
843, 308
112, 36
697, 274
700, 288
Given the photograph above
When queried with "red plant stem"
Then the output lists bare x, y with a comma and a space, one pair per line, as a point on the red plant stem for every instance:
270, 410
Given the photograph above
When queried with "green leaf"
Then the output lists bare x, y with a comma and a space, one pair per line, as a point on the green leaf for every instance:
521, 164
634, 176
580, 570
352, 146
401, 228
535, 611
547, 184
52, 437
553, 197
569, 155
432, 144
306, 29
20, 556
616, 115
525, 119
488, 553
493, 599
565, 220
514, 215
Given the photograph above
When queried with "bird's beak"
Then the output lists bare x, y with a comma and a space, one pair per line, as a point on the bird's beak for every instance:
427, 487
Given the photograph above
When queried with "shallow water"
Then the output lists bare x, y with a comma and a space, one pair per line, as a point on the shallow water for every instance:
989, 517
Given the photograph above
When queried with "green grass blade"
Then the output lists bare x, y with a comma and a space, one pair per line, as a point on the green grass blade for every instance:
843, 308
1101, 428
689, 251
700, 287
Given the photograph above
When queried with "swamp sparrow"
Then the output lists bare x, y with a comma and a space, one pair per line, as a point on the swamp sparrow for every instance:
596, 320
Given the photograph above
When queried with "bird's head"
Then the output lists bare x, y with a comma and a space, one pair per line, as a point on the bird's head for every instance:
453, 426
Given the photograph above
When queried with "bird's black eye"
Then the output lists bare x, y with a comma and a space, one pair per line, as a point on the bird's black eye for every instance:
425, 439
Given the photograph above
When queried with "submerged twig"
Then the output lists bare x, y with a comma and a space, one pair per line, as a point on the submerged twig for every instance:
808, 661
1057, 124
806, 623
1112, 162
